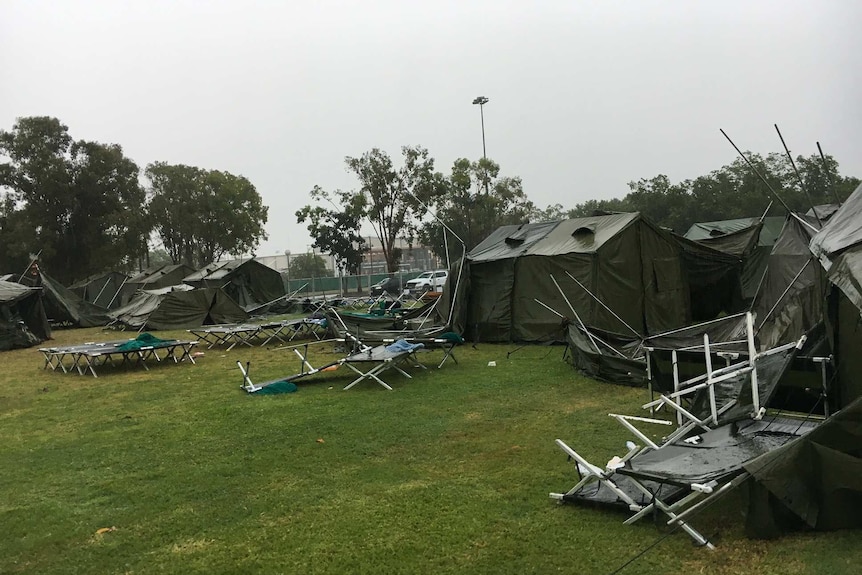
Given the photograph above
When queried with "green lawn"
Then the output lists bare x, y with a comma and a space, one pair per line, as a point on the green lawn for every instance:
449, 473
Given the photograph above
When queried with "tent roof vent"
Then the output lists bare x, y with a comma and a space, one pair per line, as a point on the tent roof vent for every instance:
517, 238
588, 229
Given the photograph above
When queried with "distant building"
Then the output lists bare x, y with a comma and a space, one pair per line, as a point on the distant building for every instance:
413, 258
281, 262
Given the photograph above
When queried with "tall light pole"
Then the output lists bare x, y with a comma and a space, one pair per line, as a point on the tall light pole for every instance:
481, 101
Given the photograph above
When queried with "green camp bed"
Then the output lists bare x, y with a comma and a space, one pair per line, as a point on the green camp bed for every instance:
85, 358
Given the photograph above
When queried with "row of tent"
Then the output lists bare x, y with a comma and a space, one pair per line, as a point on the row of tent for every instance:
164, 297
619, 272
249, 282
633, 301
632, 283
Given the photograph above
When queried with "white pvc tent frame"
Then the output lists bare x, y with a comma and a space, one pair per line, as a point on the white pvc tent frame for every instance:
700, 493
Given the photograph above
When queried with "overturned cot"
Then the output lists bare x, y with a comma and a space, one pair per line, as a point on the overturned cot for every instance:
369, 363
85, 358
722, 423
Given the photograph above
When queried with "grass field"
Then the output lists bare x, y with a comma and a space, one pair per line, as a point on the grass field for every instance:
176, 470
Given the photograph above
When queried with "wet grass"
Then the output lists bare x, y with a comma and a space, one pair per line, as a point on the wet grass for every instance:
175, 470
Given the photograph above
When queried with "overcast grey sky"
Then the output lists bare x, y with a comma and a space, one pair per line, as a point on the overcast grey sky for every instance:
584, 96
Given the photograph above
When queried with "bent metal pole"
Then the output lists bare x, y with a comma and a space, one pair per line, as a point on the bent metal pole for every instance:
769, 187
577, 317
799, 177
601, 303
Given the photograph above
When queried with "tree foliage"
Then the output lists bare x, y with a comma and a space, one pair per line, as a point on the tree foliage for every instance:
77, 203
387, 195
200, 215
308, 266
732, 191
473, 201
337, 231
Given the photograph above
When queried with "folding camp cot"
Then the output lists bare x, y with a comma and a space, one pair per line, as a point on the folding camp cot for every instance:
85, 358
229, 334
445, 342
721, 425
249, 334
371, 363
368, 363
286, 331
306, 327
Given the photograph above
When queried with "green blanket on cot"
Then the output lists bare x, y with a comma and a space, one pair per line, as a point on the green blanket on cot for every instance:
280, 386
143, 340
452, 337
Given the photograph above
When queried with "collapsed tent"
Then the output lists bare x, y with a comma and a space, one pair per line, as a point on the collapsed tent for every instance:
22, 316
714, 277
249, 282
632, 266
66, 308
748, 238
179, 307
814, 482
838, 245
791, 295
720, 427
155, 277
102, 289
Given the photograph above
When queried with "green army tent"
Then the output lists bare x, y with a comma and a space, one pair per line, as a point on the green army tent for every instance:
22, 316
631, 265
249, 282
179, 307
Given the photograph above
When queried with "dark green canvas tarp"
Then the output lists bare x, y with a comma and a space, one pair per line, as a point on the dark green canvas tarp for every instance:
250, 283
843, 230
594, 359
790, 300
844, 319
771, 227
22, 316
102, 289
748, 238
632, 266
64, 307
714, 278
179, 308
814, 481
839, 248
155, 277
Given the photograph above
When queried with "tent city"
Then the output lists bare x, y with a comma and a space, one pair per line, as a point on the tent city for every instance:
450, 371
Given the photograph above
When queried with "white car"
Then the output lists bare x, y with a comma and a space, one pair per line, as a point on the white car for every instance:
426, 281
